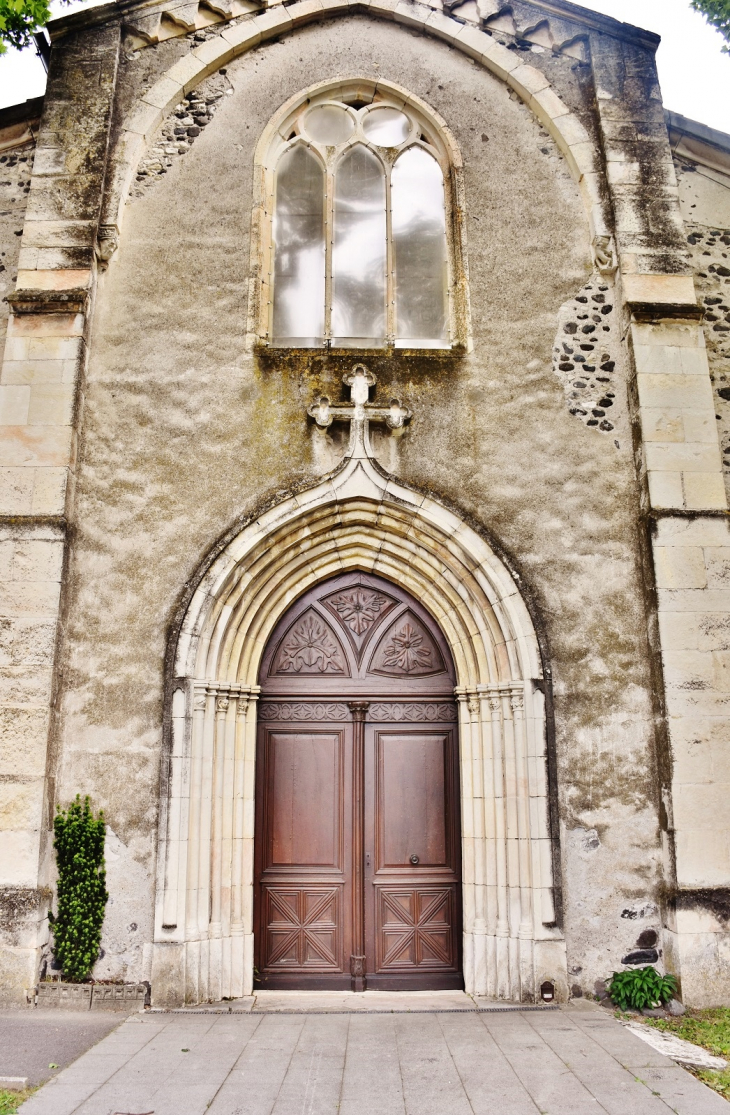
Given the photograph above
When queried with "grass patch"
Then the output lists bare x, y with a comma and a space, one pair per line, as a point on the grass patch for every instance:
11, 1101
711, 1030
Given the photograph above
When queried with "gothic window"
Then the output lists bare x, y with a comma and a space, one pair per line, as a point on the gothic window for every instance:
360, 252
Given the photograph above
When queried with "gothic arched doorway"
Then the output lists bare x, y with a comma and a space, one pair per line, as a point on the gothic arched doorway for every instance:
357, 849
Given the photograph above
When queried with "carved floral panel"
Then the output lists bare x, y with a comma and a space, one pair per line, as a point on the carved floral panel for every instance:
359, 609
407, 650
310, 647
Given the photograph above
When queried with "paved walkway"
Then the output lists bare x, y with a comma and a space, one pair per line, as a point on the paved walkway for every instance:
33, 1040
444, 1060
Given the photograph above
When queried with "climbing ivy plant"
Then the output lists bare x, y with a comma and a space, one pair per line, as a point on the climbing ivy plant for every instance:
82, 896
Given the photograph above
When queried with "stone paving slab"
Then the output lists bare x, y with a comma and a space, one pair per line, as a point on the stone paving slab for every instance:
573, 1061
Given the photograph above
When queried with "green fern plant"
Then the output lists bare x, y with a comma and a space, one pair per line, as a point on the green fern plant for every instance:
640, 988
82, 896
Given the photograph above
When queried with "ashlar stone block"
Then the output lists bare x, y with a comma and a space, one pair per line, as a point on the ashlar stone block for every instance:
51, 404
680, 568
704, 490
19, 857
14, 404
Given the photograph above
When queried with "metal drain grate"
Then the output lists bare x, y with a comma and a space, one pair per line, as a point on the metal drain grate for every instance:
437, 1010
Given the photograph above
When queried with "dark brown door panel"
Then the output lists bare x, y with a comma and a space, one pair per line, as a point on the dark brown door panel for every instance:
302, 928
357, 846
304, 798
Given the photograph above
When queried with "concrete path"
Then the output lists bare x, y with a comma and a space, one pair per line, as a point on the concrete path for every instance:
33, 1040
443, 1061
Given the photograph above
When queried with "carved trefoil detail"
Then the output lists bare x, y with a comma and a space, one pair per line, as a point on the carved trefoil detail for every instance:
407, 650
310, 647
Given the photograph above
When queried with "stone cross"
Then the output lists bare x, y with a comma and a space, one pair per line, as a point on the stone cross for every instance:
358, 411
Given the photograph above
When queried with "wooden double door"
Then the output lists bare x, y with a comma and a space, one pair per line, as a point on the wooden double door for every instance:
357, 866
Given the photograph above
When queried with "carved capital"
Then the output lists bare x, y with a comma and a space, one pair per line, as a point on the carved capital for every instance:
359, 710
517, 701
221, 705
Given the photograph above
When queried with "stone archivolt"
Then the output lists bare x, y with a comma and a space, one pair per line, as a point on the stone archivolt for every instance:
356, 519
527, 82
201, 20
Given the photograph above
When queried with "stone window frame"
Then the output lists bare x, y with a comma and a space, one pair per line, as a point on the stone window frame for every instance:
277, 137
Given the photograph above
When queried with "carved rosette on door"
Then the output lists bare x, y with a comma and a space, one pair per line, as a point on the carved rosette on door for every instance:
357, 866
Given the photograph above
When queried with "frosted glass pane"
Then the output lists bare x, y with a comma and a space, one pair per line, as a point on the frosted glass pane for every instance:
299, 250
359, 251
419, 240
329, 124
386, 126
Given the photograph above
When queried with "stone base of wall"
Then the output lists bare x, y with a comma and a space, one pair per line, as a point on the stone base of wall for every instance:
18, 968
23, 932
697, 946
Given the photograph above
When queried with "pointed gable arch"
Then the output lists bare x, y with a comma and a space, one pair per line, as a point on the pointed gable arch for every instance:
356, 519
529, 83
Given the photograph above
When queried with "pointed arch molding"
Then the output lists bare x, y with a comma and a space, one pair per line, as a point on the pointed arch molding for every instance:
527, 81
356, 519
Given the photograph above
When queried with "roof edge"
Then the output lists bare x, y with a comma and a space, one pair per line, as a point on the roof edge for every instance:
692, 128
592, 21
18, 114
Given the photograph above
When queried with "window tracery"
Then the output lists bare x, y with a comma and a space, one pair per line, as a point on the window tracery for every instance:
361, 254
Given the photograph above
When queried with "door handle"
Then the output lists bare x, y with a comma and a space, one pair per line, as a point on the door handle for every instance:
414, 859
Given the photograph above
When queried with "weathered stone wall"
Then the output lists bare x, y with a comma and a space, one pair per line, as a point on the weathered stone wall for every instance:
26, 645
15, 167
185, 432
592, 466
705, 197
693, 576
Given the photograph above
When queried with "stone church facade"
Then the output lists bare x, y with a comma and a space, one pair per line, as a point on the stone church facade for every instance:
365, 442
